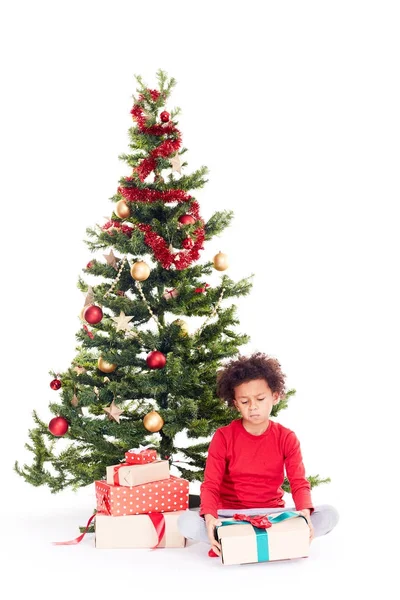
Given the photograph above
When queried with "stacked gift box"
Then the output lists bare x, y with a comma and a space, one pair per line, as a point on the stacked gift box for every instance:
139, 503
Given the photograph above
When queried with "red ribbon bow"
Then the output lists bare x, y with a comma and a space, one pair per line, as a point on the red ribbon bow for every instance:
260, 521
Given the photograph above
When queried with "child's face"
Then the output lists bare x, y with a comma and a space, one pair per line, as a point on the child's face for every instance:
254, 400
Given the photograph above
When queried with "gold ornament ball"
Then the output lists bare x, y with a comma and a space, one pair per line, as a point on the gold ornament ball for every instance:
140, 270
105, 366
153, 421
122, 210
183, 325
221, 261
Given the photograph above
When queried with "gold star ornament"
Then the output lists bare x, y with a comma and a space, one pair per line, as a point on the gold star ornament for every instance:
113, 412
74, 400
175, 163
112, 260
79, 370
122, 321
89, 297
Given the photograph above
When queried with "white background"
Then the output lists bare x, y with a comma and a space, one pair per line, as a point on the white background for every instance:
293, 106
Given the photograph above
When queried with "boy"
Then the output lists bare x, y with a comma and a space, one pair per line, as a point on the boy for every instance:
246, 459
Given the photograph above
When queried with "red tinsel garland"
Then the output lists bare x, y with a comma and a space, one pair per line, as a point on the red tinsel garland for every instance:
134, 194
155, 94
111, 225
166, 148
183, 258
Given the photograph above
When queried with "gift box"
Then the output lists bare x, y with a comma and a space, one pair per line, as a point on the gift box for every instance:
138, 531
136, 456
168, 294
286, 535
167, 495
132, 475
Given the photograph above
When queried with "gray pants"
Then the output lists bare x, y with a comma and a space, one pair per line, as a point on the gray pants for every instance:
193, 527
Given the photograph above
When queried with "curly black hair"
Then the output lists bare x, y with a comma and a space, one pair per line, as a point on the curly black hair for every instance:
242, 369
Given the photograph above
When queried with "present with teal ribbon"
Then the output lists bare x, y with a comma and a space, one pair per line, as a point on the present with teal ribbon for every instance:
286, 536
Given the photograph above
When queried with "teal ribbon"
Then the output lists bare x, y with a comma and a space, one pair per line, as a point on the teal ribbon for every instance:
288, 514
262, 534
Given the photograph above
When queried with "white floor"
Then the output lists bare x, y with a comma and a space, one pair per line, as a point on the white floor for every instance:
346, 561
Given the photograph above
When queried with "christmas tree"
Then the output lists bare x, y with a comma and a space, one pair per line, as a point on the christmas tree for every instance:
141, 376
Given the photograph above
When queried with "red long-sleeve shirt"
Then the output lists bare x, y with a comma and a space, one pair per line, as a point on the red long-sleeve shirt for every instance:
247, 471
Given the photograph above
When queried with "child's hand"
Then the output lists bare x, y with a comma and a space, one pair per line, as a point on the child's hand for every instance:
306, 513
211, 524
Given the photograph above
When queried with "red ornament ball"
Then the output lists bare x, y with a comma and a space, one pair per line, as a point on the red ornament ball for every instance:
186, 220
55, 384
58, 426
93, 314
164, 116
187, 243
156, 360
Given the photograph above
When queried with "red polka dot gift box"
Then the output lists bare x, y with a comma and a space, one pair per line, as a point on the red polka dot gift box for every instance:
167, 495
137, 456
